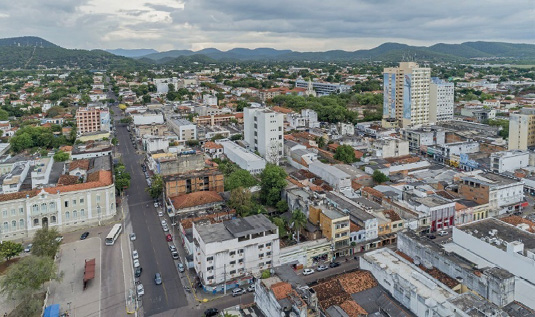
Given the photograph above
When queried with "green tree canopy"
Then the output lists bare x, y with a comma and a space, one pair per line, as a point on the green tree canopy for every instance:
239, 178
240, 105
272, 181
28, 275
9, 249
155, 190
127, 120
241, 200
379, 177
279, 222
345, 153
122, 177
61, 156
44, 242
299, 221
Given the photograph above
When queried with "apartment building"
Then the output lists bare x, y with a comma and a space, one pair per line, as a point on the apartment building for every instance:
334, 226
391, 147
231, 252
186, 130
522, 129
494, 189
424, 136
441, 211
441, 99
204, 180
406, 95
263, 131
323, 88
92, 119
508, 161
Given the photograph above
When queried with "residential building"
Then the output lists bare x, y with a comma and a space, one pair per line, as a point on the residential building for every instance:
245, 159
214, 150
306, 119
508, 161
277, 298
441, 99
406, 94
204, 180
338, 179
323, 88
92, 119
231, 252
496, 190
186, 130
334, 226
153, 144
151, 129
441, 211
424, 136
91, 149
522, 129
148, 118
391, 147
263, 131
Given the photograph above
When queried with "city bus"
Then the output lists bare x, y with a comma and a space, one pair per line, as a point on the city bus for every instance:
114, 234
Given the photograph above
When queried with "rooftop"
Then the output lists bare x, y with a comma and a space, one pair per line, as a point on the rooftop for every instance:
234, 228
433, 201
490, 179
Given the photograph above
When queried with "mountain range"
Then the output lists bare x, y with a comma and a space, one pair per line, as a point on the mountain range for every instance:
32, 52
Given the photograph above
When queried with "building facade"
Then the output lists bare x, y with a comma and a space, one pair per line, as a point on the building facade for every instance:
263, 131
92, 119
441, 99
406, 94
522, 130
205, 180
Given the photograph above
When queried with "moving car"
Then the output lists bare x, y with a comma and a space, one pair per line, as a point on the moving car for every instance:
180, 267
157, 279
140, 290
132, 236
136, 263
322, 268
210, 312
238, 292
308, 271
431, 237
442, 233
84, 235
28, 248
334, 264
138, 271
135, 255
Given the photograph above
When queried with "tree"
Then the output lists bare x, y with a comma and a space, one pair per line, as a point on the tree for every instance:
114, 141
192, 142
61, 156
236, 137
320, 141
4, 115
240, 178
379, 177
147, 98
272, 181
127, 120
282, 206
240, 105
28, 275
241, 200
345, 153
265, 274
299, 221
9, 249
279, 222
122, 178
218, 136
44, 242
156, 187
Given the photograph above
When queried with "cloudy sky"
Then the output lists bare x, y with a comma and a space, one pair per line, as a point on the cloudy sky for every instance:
311, 25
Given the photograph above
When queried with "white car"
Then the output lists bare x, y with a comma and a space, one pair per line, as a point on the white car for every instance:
164, 223
160, 214
132, 236
136, 263
155, 205
140, 290
165, 228
135, 255
308, 271
442, 233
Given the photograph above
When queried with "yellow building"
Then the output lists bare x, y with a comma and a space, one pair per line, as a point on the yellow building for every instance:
334, 226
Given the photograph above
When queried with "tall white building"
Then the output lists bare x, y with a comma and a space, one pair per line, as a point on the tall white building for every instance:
441, 98
263, 131
406, 95
230, 252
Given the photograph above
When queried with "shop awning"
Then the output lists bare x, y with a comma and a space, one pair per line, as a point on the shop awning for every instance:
89, 271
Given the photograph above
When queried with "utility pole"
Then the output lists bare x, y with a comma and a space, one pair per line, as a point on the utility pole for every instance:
225, 279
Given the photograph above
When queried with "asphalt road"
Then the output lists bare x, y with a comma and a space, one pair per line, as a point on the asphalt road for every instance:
154, 255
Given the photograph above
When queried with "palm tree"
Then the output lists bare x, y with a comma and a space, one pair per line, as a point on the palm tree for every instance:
299, 220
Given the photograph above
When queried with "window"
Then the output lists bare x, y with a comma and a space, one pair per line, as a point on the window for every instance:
43, 208
82, 212
52, 207
210, 268
232, 262
4, 213
74, 202
98, 198
21, 224
268, 253
268, 263
240, 261
21, 211
53, 219
211, 277
240, 251
261, 255
98, 210
67, 215
66, 203
210, 258
81, 201
75, 214
233, 272
232, 253
36, 222
268, 244
6, 226
14, 225
13, 212
260, 246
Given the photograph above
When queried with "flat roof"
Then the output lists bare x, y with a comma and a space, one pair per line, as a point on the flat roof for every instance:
491, 179
433, 201
235, 228
242, 152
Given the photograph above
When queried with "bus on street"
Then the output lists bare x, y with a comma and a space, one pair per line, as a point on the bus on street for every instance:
114, 234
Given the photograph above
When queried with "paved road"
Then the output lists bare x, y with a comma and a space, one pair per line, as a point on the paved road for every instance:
153, 250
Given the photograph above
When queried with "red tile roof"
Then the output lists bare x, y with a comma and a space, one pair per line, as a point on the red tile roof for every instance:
81, 164
196, 199
281, 290
212, 145
352, 309
68, 180
282, 109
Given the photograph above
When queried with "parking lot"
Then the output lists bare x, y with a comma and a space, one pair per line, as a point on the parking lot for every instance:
70, 293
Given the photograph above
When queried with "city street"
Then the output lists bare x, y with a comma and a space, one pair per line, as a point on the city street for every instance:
154, 254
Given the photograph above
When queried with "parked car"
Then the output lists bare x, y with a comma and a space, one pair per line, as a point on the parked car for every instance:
164, 223
251, 288
160, 214
210, 312
237, 292
180, 267
308, 271
140, 290
28, 248
169, 237
59, 239
431, 237
442, 233
138, 271
157, 279
136, 263
132, 236
175, 255
334, 264
172, 248
165, 228
84, 235
135, 255
322, 268
155, 205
